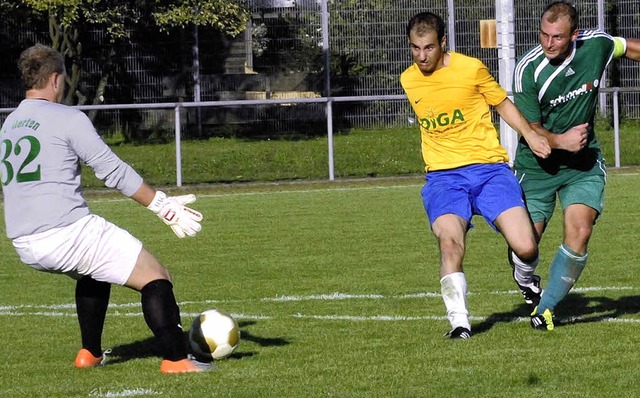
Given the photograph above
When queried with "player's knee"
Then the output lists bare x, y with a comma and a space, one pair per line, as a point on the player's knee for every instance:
451, 247
147, 269
528, 253
580, 234
155, 272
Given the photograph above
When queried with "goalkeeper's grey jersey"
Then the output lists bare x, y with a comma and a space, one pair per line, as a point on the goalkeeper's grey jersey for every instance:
41, 147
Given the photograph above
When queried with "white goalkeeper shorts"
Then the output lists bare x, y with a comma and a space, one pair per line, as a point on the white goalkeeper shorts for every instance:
90, 246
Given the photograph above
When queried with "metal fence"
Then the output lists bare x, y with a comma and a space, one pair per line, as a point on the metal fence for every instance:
376, 38
176, 113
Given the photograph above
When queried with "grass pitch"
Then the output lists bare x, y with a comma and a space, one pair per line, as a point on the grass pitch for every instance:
335, 286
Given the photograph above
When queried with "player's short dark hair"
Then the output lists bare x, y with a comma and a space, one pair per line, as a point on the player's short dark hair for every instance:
559, 9
426, 22
37, 63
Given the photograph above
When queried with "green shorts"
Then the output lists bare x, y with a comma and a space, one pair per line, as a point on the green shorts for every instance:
571, 187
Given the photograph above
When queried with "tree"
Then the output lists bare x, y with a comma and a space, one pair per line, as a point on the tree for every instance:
70, 21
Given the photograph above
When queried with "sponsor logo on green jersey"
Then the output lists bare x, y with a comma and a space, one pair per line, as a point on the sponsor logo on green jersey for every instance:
584, 89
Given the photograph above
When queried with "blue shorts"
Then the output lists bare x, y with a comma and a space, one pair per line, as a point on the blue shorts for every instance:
479, 189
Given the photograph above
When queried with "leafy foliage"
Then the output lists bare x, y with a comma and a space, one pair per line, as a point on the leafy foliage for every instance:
227, 16
70, 21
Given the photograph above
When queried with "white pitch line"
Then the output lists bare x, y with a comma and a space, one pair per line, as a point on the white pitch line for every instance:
398, 318
325, 297
595, 288
348, 296
282, 192
291, 191
124, 393
313, 297
376, 317
37, 313
57, 310
351, 318
124, 314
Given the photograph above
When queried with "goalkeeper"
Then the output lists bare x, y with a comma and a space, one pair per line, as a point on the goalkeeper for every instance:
52, 228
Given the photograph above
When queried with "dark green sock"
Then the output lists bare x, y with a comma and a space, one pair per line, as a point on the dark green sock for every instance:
565, 270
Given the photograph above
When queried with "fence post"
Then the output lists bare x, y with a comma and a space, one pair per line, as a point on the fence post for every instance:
603, 80
326, 52
616, 127
176, 112
505, 17
451, 25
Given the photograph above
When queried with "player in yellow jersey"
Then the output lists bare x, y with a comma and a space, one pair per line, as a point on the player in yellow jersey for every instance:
467, 170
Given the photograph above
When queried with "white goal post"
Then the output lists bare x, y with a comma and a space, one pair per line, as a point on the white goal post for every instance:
505, 35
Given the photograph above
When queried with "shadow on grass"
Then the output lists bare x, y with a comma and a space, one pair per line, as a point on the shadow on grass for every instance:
501, 317
575, 308
150, 348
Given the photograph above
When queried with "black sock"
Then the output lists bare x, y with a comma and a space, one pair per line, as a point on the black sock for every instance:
92, 300
162, 315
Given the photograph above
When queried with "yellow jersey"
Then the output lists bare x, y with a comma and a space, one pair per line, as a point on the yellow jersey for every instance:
452, 108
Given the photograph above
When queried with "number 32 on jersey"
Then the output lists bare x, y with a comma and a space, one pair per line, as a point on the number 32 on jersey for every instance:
17, 159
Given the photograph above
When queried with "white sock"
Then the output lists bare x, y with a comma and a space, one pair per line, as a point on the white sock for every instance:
523, 272
454, 294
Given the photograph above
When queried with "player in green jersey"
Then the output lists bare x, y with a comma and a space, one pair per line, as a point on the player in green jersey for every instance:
556, 88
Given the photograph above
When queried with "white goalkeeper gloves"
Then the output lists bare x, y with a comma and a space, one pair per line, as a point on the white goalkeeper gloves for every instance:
172, 210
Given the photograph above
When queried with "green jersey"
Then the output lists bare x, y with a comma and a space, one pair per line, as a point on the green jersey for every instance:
562, 95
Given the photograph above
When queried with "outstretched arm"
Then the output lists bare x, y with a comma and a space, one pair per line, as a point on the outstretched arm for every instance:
144, 195
632, 49
537, 142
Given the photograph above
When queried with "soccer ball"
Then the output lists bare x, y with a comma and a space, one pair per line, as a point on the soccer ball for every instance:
214, 334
